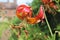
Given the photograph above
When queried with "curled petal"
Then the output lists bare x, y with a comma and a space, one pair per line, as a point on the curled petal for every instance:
41, 13
31, 20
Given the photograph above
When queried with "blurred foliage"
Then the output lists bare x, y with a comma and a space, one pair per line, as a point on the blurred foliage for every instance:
3, 26
38, 31
15, 21
35, 32
35, 5
52, 38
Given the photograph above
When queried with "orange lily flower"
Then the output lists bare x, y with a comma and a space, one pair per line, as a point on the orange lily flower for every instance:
24, 11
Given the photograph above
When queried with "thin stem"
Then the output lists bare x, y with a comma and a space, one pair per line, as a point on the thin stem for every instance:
48, 24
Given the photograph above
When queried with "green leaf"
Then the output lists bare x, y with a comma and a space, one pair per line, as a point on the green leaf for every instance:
51, 38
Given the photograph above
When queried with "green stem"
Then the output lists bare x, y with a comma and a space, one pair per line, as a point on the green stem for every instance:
48, 24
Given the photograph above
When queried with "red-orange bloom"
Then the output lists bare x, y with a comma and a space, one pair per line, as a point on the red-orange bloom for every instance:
23, 11
45, 1
52, 5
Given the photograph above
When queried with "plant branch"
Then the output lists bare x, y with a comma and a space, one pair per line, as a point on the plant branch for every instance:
48, 23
